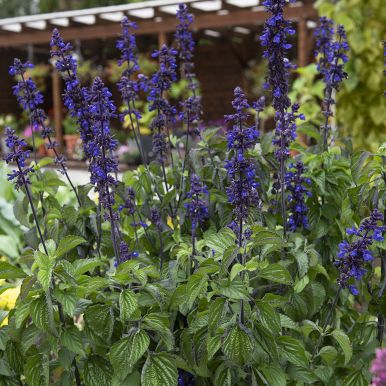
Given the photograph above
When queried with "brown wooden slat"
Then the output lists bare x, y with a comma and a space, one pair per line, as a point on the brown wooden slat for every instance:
202, 21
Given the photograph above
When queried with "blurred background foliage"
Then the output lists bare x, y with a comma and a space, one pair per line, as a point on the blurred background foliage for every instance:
361, 109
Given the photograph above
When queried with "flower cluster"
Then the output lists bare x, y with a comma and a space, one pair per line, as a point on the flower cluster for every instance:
75, 96
30, 99
331, 48
353, 256
274, 38
191, 108
160, 82
18, 155
128, 86
378, 368
131, 207
99, 149
242, 192
197, 207
295, 185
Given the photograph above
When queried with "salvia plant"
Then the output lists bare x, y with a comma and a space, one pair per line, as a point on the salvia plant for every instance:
228, 257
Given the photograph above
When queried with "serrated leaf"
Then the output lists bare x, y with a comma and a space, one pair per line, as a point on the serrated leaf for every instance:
159, 323
274, 375
213, 344
235, 289
328, 354
216, 310
127, 304
99, 318
293, 351
39, 313
8, 271
36, 370
71, 338
159, 370
126, 353
238, 346
83, 265
97, 371
197, 283
276, 273
236, 269
262, 236
67, 243
220, 241
345, 344
268, 317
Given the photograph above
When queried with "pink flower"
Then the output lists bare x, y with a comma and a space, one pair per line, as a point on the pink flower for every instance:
378, 368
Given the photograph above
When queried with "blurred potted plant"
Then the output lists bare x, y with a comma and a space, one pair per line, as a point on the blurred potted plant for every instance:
71, 136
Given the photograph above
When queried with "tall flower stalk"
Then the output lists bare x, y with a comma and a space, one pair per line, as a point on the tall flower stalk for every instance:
274, 38
161, 82
296, 185
242, 190
191, 111
197, 210
331, 48
128, 86
99, 150
75, 96
30, 99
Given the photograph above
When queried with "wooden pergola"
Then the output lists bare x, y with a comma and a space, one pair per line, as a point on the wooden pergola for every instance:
156, 17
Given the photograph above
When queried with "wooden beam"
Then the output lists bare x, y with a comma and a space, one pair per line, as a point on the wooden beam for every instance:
57, 107
202, 21
302, 43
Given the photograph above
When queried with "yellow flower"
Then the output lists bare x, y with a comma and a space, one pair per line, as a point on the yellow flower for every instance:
8, 300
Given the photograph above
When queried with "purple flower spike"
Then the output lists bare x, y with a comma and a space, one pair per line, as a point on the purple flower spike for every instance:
353, 256
197, 207
18, 155
296, 186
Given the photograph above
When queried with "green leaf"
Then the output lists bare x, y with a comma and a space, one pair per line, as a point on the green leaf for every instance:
8, 271
302, 262
328, 354
39, 313
345, 344
238, 346
274, 375
83, 265
99, 318
71, 338
236, 269
216, 310
36, 370
213, 344
268, 317
127, 304
45, 269
126, 353
293, 351
262, 236
159, 370
197, 283
235, 289
160, 323
223, 375
221, 241
276, 273
97, 371
67, 243
356, 379
14, 356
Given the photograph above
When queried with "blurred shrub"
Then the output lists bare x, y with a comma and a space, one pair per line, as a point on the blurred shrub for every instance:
361, 110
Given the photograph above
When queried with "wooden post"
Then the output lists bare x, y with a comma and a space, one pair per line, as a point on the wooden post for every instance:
302, 43
162, 39
57, 107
